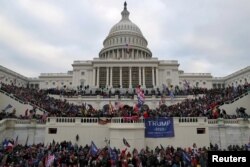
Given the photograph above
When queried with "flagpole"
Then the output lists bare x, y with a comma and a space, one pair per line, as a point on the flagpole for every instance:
107, 143
26, 143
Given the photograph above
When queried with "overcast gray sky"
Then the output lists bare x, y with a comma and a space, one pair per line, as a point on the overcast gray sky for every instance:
41, 36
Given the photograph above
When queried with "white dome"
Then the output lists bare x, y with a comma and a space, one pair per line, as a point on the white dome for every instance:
125, 35
124, 26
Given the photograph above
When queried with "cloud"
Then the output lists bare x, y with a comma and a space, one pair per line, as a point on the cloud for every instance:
27, 46
44, 11
204, 36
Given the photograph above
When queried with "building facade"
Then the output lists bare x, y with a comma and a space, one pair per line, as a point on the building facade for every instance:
125, 61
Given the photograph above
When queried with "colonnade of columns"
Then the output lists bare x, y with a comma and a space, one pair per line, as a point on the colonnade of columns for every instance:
109, 76
125, 53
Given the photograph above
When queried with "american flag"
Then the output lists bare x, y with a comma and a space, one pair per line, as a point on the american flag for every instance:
186, 84
111, 108
127, 48
112, 154
140, 96
171, 94
93, 149
50, 160
7, 107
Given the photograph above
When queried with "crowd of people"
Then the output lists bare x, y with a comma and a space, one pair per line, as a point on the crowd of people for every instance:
206, 105
123, 92
67, 154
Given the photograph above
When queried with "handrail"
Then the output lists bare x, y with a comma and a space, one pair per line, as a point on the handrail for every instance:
236, 98
120, 120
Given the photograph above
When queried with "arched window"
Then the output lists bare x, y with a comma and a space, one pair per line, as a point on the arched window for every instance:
169, 82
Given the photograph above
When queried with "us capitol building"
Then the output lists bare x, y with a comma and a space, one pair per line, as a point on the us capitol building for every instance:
124, 62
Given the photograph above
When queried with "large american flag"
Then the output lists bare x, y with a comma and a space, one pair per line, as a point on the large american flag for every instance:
140, 96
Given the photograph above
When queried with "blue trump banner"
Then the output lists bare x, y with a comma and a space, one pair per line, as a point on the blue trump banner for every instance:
161, 127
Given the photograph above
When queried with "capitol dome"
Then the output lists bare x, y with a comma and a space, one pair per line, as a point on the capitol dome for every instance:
125, 41
125, 25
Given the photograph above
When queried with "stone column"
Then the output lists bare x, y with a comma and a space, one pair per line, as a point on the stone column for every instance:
143, 76
121, 77
123, 53
111, 76
107, 76
153, 77
97, 84
94, 72
139, 75
157, 77
130, 77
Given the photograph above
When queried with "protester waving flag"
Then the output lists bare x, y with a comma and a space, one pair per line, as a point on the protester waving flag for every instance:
125, 142
107, 142
186, 84
7, 107
112, 154
49, 160
5, 143
140, 96
93, 149
162, 148
171, 93
164, 88
186, 158
27, 139
16, 141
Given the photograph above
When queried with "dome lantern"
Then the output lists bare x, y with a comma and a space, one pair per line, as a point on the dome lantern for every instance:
125, 12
